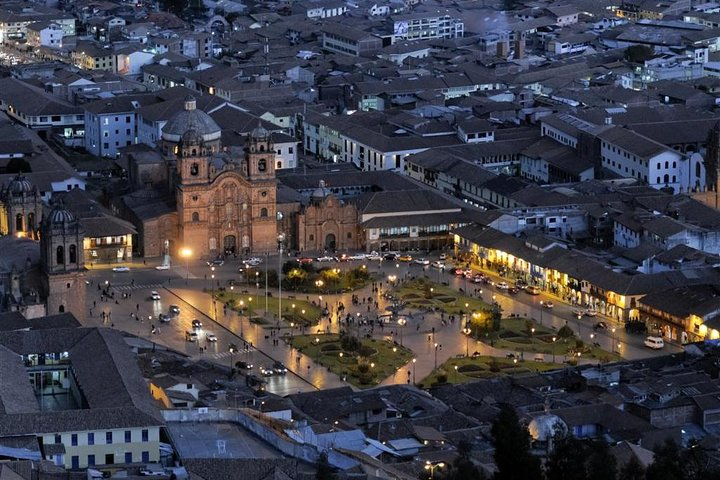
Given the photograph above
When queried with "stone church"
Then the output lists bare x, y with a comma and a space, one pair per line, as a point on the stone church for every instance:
198, 194
42, 266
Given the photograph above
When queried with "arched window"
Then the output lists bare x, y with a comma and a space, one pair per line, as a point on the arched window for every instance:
60, 255
262, 165
666, 178
697, 170
194, 152
263, 212
195, 217
31, 221
19, 222
194, 169
61, 309
349, 235
262, 148
72, 253
278, 165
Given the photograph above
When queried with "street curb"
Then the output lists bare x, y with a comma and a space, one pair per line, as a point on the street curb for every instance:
234, 334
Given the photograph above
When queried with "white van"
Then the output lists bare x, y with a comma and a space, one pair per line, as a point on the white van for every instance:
656, 343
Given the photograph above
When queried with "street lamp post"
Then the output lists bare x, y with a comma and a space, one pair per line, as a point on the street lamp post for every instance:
553, 348
414, 362
212, 294
401, 322
467, 333
186, 253
242, 305
280, 240
232, 349
542, 305
456, 369
429, 466
613, 340
436, 349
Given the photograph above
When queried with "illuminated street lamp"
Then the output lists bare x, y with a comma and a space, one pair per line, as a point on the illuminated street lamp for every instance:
436, 349
613, 339
542, 305
414, 362
186, 253
429, 466
402, 322
553, 348
467, 333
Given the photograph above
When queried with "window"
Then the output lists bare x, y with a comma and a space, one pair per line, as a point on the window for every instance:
278, 164
75, 461
262, 165
72, 251
145, 435
128, 457
194, 169
106, 145
58, 438
195, 217
73, 439
349, 235
312, 237
128, 436
279, 151
60, 255
19, 222
145, 457
91, 438
61, 309
108, 438
263, 212
290, 150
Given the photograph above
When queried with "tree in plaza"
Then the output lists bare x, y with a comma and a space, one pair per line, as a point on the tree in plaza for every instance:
512, 455
18, 165
600, 465
632, 470
567, 460
667, 464
324, 470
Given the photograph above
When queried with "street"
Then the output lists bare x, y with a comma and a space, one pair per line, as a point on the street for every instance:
183, 285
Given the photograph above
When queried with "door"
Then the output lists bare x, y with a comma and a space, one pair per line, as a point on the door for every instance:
330, 241
109, 459
230, 244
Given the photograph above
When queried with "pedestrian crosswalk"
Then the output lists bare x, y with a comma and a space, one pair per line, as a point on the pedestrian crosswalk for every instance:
226, 354
130, 286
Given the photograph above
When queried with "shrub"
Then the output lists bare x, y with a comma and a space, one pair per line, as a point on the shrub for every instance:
566, 332
363, 368
442, 376
494, 366
365, 351
350, 343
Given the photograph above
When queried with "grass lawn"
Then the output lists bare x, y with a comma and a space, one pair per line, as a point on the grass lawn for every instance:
514, 335
290, 314
422, 293
386, 358
473, 369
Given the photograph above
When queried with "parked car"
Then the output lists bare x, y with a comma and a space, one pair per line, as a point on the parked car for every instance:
532, 290
502, 286
279, 368
422, 261
390, 256
218, 262
164, 318
590, 312
374, 256
243, 365
121, 269
548, 304
578, 313
304, 260
162, 267
210, 337
154, 295
443, 256
359, 256
600, 326
635, 326
174, 309
405, 258
196, 324
521, 284
438, 264
252, 262
514, 290
327, 258
266, 371
191, 336
656, 343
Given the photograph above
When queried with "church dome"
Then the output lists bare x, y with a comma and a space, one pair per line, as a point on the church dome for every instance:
190, 118
259, 133
60, 214
321, 192
546, 427
19, 185
191, 137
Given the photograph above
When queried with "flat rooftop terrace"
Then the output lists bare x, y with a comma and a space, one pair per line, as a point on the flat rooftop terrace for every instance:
218, 440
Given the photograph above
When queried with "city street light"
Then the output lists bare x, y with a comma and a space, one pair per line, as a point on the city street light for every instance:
186, 253
232, 349
280, 240
212, 295
613, 339
456, 369
429, 466
542, 305
401, 322
532, 335
414, 362
436, 349
467, 331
